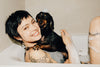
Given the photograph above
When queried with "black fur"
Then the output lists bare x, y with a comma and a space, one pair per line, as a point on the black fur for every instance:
49, 37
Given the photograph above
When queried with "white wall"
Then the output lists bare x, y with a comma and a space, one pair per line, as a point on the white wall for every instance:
72, 15
6, 8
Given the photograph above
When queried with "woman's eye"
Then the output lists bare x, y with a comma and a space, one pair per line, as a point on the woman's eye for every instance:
25, 28
33, 22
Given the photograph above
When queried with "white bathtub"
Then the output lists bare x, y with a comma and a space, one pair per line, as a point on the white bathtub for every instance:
81, 44
14, 53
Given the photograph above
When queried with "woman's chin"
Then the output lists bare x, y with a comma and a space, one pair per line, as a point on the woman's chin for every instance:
37, 38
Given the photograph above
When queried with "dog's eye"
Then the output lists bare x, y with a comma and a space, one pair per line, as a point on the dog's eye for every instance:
38, 20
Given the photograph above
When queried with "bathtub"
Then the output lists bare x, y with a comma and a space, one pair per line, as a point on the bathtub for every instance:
14, 53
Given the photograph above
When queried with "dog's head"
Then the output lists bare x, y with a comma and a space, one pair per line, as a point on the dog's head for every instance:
45, 21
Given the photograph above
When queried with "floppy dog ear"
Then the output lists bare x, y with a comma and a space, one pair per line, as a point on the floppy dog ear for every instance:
52, 24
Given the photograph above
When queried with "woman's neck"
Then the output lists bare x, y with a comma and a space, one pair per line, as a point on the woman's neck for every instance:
29, 44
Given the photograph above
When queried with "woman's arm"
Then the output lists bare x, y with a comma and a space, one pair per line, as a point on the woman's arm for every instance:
38, 56
72, 53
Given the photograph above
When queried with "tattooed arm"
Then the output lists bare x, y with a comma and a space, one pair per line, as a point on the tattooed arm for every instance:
39, 56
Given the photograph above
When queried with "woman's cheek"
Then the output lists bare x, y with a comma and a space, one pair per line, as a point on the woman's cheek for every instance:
25, 34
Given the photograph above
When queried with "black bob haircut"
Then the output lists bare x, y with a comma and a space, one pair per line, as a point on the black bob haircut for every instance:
13, 21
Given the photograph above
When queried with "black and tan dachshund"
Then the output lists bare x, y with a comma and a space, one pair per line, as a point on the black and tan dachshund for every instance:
50, 41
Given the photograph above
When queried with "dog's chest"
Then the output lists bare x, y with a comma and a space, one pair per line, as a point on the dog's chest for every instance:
44, 40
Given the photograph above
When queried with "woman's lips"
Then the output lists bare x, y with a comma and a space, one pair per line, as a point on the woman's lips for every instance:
35, 33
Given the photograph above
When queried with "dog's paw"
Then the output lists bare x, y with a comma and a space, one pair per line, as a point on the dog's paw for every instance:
36, 47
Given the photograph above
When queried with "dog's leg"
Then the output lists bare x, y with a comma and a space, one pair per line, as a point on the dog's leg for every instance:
64, 55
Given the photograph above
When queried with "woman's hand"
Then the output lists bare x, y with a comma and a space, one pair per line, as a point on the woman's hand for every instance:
66, 37
72, 53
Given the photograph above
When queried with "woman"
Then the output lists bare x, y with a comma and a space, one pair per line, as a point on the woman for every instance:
22, 27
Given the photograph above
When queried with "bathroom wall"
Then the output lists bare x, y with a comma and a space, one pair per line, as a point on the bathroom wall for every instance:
72, 15
6, 8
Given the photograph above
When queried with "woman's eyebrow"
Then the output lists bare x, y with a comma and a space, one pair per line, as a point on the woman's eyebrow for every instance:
32, 20
24, 26
27, 24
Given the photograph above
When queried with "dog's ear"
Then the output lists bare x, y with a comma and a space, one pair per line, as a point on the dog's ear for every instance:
52, 24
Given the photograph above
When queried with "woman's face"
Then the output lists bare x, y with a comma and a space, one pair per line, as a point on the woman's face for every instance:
29, 30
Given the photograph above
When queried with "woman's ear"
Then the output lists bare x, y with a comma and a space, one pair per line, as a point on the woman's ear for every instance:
18, 38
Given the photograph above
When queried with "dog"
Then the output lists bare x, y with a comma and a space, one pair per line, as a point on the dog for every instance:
50, 40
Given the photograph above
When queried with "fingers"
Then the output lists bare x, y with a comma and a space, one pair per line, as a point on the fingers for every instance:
64, 32
66, 37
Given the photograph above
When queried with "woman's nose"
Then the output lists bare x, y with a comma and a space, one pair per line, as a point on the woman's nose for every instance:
33, 27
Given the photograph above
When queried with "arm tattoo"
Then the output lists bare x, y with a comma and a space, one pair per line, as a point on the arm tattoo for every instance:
44, 59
